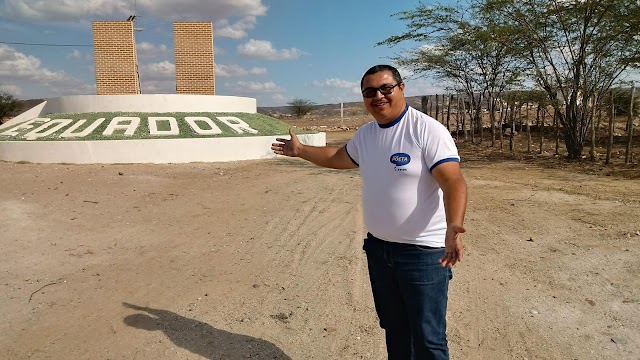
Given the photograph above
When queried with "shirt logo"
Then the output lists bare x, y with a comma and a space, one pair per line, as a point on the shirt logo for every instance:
400, 159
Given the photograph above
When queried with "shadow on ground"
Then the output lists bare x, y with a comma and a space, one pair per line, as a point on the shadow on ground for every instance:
201, 338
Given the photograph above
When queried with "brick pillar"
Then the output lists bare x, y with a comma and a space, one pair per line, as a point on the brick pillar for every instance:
193, 42
114, 49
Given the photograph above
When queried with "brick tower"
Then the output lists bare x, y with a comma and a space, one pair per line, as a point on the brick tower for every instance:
193, 46
115, 58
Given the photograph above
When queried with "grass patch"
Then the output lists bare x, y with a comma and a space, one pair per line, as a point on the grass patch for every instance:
263, 124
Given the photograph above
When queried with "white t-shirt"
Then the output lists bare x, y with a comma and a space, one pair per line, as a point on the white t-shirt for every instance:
402, 201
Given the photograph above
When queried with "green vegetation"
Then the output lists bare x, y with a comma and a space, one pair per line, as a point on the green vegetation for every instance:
573, 51
265, 125
8, 103
301, 107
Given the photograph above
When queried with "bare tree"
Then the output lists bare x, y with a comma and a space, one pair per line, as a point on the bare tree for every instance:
301, 107
576, 49
8, 104
460, 45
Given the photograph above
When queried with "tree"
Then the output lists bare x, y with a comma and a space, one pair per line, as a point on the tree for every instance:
8, 104
301, 107
463, 47
577, 49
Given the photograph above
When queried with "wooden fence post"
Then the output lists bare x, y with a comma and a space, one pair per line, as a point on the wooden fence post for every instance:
424, 102
430, 106
464, 119
457, 116
448, 113
492, 118
628, 157
540, 123
592, 128
526, 109
437, 107
502, 120
612, 121
556, 122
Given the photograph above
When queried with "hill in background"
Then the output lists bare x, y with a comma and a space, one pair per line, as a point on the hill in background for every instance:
350, 109
330, 110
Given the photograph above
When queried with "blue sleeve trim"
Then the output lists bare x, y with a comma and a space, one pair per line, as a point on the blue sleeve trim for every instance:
444, 161
353, 161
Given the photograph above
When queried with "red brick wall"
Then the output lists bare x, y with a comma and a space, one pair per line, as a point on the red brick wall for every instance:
193, 44
115, 58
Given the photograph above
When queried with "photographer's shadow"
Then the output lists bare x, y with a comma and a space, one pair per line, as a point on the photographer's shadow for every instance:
201, 338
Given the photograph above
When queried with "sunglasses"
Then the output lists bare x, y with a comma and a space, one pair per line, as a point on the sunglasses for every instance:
385, 89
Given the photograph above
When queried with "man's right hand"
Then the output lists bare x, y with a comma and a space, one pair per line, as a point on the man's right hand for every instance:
287, 147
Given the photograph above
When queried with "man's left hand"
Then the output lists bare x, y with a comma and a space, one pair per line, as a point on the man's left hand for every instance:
454, 251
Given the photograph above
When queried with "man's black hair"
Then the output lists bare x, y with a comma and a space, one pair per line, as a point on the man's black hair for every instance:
378, 68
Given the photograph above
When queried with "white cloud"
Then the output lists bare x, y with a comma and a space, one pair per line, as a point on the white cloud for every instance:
147, 49
265, 93
158, 71
258, 71
74, 55
336, 83
418, 86
252, 88
264, 50
158, 86
64, 10
235, 31
11, 89
280, 99
236, 70
14, 64
56, 10
78, 55
202, 10
158, 78
22, 70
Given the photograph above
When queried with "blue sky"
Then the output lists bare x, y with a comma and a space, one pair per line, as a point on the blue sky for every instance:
271, 50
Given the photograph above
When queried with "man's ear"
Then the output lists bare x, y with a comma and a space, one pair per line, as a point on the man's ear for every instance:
401, 86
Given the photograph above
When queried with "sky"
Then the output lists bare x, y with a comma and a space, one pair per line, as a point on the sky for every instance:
270, 50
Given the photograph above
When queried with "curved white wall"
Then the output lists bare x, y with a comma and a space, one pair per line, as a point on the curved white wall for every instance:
157, 103
157, 151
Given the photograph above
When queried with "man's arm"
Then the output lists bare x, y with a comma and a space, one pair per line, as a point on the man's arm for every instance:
454, 193
326, 156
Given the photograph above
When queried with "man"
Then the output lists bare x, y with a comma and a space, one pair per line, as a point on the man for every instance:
414, 200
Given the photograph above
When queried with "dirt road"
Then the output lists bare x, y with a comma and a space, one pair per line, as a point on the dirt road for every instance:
263, 259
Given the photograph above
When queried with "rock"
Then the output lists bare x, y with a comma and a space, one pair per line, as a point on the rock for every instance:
618, 340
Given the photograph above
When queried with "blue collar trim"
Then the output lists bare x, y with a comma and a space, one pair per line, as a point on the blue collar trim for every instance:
397, 120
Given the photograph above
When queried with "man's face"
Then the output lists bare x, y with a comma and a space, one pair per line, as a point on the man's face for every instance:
384, 108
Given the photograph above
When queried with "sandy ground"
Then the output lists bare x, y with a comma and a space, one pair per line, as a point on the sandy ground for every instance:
263, 260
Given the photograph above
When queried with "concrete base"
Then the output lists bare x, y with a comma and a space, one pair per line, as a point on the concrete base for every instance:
143, 151
156, 151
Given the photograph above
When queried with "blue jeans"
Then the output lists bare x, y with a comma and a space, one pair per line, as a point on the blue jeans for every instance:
410, 293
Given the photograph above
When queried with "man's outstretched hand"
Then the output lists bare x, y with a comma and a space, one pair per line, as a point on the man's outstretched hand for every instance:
454, 251
287, 147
